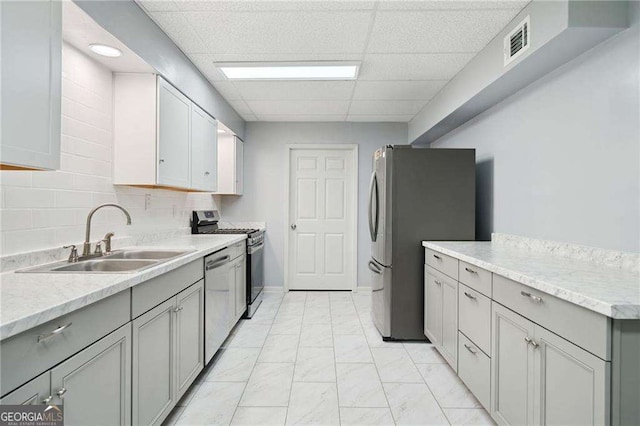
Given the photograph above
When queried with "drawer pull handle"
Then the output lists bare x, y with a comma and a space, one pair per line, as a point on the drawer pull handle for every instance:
178, 309
531, 296
470, 349
47, 400
61, 392
437, 282
471, 271
531, 342
57, 331
437, 257
470, 296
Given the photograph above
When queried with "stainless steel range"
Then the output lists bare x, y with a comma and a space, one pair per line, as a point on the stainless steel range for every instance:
206, 222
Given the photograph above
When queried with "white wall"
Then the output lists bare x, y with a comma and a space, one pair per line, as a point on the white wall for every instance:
265, 163
560, 159
47, 209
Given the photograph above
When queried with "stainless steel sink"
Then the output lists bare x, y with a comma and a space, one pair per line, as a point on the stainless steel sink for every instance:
146, 254
120, 261
105, 265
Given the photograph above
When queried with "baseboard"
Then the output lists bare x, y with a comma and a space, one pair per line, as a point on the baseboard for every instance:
273, 289
363, 290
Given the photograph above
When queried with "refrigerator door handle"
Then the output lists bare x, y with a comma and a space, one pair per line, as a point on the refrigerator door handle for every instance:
373, 192
374, 268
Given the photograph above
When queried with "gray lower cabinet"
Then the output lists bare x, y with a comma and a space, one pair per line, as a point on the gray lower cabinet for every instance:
168, 351
441, 314
539, 378
237, 289
433, 307
95, 384
34, 392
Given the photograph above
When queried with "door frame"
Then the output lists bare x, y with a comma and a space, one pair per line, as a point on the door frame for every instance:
354, 219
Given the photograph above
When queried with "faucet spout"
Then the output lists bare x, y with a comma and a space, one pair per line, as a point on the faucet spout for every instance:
86, 250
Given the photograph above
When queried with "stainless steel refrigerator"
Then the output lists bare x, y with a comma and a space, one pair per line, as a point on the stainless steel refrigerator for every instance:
415, 194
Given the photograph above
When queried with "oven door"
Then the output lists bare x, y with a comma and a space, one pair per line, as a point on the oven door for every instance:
255, 281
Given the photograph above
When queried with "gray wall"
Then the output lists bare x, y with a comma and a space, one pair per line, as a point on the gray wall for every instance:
265, 177
133, 27
560, 159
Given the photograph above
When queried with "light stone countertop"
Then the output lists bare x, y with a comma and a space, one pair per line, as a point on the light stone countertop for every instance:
610, 291
31, 299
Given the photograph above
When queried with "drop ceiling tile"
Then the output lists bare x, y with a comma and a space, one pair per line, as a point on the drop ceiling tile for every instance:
282, 32
227, 90
295, 90
178, 29
239, 56
249, 117
434, 66
381, 118
206, 64
436, 31
385, 107
398, 90
298, 107
312, 117
269, 5
158, 5
451, 4
240, 106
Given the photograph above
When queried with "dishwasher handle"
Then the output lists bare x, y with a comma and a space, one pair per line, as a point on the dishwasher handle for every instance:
212, 264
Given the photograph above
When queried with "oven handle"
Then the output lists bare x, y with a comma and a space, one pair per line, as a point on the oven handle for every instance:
256, 248
212, 264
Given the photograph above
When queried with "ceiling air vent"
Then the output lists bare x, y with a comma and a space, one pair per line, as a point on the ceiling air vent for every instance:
517, 41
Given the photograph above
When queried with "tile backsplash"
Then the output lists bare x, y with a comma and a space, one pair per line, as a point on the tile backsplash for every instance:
41, 210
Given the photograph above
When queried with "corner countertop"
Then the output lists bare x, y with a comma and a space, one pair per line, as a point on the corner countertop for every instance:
606, 290
30, 299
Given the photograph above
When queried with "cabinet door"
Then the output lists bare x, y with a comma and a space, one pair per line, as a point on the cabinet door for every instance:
511, 368
95, 384
34, 392
233, 267
31, 83
241, 286
153, 359
174, 140
204, 150
433, 307
570, 384
450, 322
189, 336
239, 169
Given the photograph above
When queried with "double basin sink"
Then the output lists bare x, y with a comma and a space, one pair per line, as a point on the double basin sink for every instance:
119, 261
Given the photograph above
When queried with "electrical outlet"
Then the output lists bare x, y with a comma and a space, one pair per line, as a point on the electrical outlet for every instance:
147, 201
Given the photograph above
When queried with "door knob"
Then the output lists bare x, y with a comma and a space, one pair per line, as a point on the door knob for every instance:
293, 226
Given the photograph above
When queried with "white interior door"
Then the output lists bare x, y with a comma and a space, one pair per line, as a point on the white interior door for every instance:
322, 209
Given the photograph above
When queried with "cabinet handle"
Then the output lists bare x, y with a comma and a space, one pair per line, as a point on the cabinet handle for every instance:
471, 271
207, 173
178, 309
531, 342
470, 349
162, 160
47, 400
531, 296
61, 392
437, 257
470, 296
57, 331
437, 282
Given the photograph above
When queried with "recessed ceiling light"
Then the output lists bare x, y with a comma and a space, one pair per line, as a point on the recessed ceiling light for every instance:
291, 71
104, 50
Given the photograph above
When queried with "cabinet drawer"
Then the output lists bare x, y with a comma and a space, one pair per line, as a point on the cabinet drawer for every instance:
238, 249
443, 263
155, 291
28, 354
474, 368
474, 277
581, 326
474, 317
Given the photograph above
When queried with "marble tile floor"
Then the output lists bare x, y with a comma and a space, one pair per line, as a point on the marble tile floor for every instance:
316, 358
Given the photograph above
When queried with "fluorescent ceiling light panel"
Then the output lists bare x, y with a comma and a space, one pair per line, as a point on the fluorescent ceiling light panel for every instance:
104, 50
291, 71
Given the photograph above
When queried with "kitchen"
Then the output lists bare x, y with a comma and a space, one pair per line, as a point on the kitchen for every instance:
551, 123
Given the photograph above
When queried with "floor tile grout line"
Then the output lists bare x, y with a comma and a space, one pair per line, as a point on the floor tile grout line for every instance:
295, 362
377, 371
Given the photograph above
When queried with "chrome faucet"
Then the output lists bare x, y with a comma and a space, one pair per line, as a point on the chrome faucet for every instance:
86, 250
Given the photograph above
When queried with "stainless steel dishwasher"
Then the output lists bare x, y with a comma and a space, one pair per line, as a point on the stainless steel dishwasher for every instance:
216, 301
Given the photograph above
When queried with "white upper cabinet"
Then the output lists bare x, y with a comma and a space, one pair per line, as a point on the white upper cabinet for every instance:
161, 138
230, 165
204, 150
31, 34
174, 138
